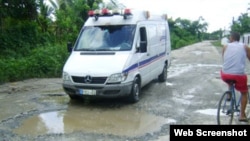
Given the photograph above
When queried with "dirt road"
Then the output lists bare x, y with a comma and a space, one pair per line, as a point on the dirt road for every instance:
38, 109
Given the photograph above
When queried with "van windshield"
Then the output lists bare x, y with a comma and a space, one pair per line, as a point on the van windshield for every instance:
106, 38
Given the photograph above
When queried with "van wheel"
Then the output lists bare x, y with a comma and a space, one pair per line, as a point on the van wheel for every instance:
135, 92
163, 76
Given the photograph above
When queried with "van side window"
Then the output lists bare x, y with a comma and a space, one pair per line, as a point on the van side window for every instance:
143, 39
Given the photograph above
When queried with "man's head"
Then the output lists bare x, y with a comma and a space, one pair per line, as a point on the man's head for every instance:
234, 36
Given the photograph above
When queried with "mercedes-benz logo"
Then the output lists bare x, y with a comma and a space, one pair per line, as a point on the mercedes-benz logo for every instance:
88, 79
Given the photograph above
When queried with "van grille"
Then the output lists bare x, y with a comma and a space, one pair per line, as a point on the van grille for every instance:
94, 80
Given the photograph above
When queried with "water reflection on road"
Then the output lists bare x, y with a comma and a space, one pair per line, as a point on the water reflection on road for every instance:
121, 121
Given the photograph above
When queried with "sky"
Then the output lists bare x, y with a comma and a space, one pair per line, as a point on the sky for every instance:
217, 13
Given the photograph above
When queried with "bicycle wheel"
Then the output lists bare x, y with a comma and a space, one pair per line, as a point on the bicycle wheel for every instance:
225, 112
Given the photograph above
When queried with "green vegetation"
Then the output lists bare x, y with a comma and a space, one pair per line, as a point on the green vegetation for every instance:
41, 62
242, 24
32, 43
185, 32
216, 43
33, 35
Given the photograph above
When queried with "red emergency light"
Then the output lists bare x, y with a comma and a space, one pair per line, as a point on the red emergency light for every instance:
105, 11
91, 13
127, 12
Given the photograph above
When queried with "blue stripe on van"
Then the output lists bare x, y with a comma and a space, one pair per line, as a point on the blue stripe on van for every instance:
144, 63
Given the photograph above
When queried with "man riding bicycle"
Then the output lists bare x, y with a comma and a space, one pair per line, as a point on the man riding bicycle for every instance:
234, 62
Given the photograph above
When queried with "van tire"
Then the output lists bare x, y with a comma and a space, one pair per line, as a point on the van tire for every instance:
163, 76
135, 91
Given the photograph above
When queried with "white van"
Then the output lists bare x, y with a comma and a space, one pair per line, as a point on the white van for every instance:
116, 54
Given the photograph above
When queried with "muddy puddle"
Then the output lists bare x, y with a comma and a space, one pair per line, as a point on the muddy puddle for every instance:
122, 122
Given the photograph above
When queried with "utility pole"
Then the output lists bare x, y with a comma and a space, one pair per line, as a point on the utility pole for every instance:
248, 8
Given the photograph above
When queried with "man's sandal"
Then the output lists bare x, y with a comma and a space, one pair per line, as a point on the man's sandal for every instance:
243, 120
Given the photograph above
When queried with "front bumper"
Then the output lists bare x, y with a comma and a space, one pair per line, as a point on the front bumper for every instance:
108, 91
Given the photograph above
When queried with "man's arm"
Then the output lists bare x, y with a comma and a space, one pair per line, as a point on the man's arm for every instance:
223, 50
248, 52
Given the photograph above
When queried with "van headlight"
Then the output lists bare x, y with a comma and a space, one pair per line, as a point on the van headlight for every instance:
66, 76
117, 78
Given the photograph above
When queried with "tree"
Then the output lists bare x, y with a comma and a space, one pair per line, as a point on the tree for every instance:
185, 32
70, 17
46, 12
200, 27
18, 25
242, 24
19, 9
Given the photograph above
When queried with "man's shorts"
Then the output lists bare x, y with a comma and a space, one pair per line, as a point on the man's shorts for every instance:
241, 81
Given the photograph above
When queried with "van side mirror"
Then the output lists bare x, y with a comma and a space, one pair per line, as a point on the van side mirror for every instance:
69, 47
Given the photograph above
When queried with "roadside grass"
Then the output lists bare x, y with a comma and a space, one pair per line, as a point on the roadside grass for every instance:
216, 43
41, 62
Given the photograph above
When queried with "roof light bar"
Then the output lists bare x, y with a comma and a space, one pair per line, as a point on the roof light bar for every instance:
106, 12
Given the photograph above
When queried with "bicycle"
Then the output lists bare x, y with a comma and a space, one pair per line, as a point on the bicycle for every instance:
228, 106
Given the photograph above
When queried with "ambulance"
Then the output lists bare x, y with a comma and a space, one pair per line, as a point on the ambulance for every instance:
117, 52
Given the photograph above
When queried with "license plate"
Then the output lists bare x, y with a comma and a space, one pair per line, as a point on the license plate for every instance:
87, 92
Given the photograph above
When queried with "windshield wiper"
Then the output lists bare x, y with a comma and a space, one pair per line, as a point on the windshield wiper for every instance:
103, 49
86, 49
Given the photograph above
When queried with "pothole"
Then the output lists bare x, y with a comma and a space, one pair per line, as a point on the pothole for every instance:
122, 122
